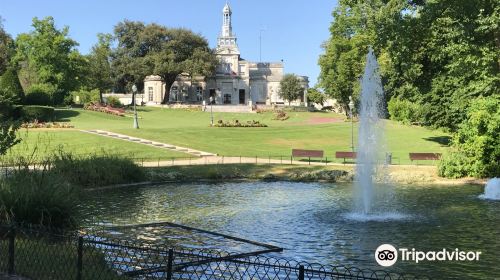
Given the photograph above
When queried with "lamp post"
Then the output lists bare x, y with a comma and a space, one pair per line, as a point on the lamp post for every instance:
351, 108
136, 121
211, 111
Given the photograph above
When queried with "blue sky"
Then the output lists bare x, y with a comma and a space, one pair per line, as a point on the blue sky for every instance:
293, 29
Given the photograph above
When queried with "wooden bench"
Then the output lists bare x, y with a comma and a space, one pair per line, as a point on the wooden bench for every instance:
307, 153
425, 156
344, 155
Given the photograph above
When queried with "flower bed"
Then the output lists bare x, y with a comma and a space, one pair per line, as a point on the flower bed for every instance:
105, 109
236, 123
37, 124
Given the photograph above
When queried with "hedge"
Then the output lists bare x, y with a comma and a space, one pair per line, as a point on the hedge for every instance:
40, 113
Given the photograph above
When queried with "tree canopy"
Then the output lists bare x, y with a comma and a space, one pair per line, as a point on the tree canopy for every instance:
157, 50
47, 56
438, 54
290, 88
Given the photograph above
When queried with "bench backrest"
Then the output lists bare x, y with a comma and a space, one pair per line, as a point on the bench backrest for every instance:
307, 153
425, 156
345, 154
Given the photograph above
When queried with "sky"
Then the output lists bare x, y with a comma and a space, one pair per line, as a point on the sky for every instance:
292, 30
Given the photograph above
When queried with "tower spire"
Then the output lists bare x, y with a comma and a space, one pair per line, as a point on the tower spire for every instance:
227, 40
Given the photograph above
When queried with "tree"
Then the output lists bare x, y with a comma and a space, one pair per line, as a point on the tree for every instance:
352, 32
315, 96
290, 88
8, 127
476, 145
9, 82
99, 71
6, 48
157, 50
47, 56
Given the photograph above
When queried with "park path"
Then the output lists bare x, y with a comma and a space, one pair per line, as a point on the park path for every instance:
150, 143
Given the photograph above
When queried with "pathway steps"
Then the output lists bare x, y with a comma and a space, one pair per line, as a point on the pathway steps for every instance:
149, 142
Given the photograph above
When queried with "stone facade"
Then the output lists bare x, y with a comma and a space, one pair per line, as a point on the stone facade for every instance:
236, 81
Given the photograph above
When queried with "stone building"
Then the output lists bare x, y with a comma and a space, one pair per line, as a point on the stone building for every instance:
236, 81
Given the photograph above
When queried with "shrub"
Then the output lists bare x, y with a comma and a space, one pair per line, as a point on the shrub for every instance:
96, 170
85, 96
280, 115
476, 145
404, 111
113, 101
40, 94
9, 82
40, 113
36, 197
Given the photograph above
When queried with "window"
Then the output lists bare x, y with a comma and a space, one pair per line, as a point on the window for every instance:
227, 98
174, 93
199, 93
150, 94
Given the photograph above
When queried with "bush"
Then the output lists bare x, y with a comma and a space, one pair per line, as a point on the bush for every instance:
85, 96
36, 197
40, 94
476, 145
96, 170
404, 111
9, 82
113, 101
39, 113
280, 115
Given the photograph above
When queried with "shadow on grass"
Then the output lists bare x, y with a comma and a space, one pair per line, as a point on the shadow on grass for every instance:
65, 115
442, 140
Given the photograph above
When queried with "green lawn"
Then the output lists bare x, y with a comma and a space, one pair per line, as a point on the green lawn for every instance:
40, 143
191, 129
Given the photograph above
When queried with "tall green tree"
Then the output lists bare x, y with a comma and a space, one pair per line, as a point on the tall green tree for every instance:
8, 96
290, 88
6, 48
9, 82
153, 49
99, 71
352, 31
47, 56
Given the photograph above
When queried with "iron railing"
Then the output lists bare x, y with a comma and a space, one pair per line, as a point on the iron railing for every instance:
41, 253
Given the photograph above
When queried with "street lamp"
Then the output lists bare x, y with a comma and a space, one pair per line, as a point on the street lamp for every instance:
136, 121
351, 108
211, 111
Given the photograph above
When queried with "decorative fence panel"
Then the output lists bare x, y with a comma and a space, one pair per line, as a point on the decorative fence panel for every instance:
40, 253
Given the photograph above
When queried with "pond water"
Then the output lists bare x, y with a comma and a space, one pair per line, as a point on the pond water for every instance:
314, 222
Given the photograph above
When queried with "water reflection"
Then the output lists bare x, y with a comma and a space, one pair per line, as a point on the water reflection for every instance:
311, 221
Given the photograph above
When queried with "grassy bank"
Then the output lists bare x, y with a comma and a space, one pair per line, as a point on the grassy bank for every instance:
49, 193
418, 175
248, 171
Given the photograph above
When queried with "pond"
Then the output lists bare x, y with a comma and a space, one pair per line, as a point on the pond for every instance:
313, 221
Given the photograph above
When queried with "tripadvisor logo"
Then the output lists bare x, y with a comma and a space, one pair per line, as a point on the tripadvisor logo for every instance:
387, 255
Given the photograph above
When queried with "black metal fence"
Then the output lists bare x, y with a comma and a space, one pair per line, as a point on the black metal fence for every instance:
40, 253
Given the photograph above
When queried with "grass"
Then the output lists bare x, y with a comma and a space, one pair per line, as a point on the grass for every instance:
40, 143
49, 194
191, 129
44, 259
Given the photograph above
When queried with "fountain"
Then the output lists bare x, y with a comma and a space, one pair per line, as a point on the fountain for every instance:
370, 133
372, 202
492, 189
